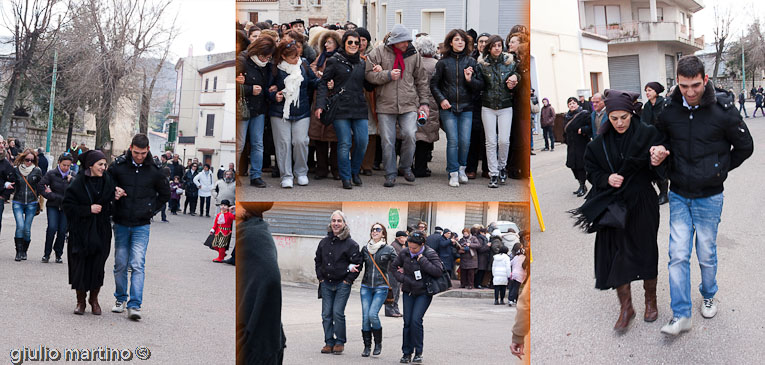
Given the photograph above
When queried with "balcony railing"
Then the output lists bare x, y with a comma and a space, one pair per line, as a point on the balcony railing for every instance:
634, 31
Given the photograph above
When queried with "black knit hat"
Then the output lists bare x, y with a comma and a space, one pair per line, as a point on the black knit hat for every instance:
363, 32
570, 99
620, 100
655, 86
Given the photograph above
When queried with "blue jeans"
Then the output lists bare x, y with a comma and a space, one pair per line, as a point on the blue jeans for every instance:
457, 127
130, 245
360, 138
701, 215
56, 230
415, 307
334, 297
24, 214
372, 299
255, 127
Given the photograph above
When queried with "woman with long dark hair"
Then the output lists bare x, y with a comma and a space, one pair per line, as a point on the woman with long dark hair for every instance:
25, 202
618, 166
345, 71
88, 205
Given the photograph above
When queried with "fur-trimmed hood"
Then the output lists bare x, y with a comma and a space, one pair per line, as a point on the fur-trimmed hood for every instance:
506, 57
322, 38
344, 234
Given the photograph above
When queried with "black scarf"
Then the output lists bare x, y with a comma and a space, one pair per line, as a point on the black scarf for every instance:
352, 58
628, 154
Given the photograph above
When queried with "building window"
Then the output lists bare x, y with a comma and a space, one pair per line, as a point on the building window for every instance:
207, 83
316, 3
607, 15
399, 16
296, 2
215, 83
254, 17
433, 23
644, 14
210, 130
595, 82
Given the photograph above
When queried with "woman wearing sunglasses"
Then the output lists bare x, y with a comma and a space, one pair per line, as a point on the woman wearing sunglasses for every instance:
377, 254
25, 200
345, 73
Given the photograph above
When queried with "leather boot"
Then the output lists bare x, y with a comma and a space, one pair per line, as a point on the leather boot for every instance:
367, 337
26, 247
626, 313
378, 341
651, 311
582, 190
80, 308
19, 248
94, 306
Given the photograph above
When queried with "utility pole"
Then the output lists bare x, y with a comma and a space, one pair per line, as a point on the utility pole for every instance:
743, 63
50, 106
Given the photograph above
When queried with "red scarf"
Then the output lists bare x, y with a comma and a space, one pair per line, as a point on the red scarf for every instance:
399, 62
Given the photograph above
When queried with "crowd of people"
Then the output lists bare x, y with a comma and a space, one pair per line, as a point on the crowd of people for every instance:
328, 101
87, 197
692, 138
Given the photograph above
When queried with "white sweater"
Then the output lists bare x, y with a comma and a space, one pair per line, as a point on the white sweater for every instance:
204, 181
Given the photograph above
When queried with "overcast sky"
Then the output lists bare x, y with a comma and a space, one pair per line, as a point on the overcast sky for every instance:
200, 21
745, 12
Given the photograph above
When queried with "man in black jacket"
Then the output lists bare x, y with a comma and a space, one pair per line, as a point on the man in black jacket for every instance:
141, 191
337, 260
705, 137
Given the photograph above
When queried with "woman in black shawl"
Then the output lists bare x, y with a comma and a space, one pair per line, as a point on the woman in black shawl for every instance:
577, 132
87, 205
618, 167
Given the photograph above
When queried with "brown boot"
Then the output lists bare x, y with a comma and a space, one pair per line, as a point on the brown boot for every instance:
327, 349
651, 311
94, 306
338, 349
626, 313
80, 308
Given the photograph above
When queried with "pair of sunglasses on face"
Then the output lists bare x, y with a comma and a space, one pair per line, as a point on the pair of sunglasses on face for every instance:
378, 229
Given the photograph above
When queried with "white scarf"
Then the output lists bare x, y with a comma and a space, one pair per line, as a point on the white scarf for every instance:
291, 86
373, 247
258, 61
24, 170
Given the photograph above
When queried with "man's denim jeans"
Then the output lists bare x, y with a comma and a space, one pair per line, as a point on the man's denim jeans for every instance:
130, 245
686, 216
334, 297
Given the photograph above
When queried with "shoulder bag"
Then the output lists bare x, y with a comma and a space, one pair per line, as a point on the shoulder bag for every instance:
329, 114
435, 285
389, 299
242, 111
615, 215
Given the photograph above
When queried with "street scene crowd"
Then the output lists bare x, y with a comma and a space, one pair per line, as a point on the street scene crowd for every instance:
327, 101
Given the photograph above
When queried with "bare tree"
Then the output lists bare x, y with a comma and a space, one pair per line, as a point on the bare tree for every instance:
124, 31
724, 17
30, 22
148, 90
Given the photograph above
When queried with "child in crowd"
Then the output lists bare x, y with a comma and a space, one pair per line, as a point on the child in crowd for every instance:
222, 230
500, 269
176, 190
518, 273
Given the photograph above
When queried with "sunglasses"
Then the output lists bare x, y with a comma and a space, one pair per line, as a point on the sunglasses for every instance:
378, 229
355, 43
29, 159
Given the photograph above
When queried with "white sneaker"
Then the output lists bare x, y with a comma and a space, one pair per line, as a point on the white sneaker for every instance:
134, 313
463, 176
287, 182
302, 180
119, 307
709, 308
676, 326
454, 179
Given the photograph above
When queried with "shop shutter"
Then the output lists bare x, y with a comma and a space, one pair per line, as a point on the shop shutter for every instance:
310, 219
475, 213
624, 72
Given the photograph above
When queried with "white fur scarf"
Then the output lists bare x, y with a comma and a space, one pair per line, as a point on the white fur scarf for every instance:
291, 85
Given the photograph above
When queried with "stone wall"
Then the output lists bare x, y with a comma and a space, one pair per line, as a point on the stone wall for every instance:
333, 10
34, 137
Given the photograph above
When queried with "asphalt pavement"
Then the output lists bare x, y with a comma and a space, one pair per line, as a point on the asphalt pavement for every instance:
188, 301
432, 188
572, 321
457, 330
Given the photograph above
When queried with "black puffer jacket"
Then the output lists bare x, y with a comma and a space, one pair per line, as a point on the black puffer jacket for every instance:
495, 73
146, 187
23, 193
428, 264
704, 143
7, 174
333, 256
383, 257
576, 142
57, 186
188, 183
449, 83
254, 75
349, 80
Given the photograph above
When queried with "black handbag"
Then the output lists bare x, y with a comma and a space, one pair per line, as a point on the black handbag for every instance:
435, 285
615, 215
329, 114
242, 111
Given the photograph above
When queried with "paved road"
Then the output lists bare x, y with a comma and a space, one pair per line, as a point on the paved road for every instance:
188, 301
433, 188
572, 322
457, 330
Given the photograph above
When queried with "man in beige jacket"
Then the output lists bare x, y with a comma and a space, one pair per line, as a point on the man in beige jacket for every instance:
402, 91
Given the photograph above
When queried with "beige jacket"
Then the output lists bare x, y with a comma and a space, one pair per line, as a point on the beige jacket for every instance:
407, 93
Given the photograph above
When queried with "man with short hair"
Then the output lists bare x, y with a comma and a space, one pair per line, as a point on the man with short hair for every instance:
176, 169
598, 115
308, 52
586, 105
706, 138
402, 89
141, 191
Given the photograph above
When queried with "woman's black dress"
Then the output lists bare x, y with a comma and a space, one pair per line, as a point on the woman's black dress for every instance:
90, 235
623, 255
